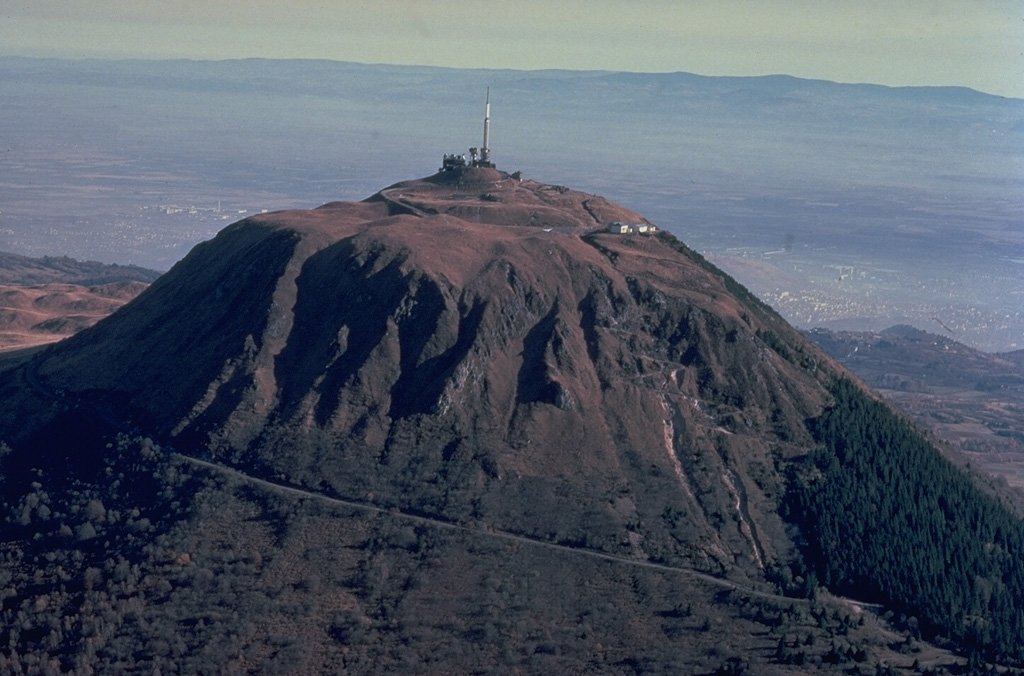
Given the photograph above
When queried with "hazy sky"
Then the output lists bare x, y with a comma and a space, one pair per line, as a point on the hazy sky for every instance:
976, 43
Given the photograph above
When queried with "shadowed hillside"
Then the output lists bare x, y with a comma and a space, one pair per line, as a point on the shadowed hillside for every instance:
23, 271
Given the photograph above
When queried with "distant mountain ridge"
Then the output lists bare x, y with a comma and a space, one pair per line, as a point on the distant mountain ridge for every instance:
223, 72
25, 270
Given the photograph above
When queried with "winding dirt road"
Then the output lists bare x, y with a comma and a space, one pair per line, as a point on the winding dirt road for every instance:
479, 531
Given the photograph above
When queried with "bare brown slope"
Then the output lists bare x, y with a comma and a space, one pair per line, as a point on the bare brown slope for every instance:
574, 386
45, 313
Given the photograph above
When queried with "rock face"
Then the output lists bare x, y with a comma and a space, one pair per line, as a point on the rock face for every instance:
475, 347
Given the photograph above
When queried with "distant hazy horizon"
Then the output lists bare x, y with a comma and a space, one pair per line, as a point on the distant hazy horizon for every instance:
834, 203
915, 43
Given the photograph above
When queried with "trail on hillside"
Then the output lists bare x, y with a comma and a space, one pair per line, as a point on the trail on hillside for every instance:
479, 531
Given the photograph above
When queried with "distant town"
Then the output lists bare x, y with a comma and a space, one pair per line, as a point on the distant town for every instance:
810, 291
171, 209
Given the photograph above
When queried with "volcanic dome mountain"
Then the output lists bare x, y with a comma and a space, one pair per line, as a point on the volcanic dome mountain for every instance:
482, 329
479, 351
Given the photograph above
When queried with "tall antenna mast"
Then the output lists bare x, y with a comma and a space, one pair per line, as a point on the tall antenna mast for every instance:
481, 160
485, 152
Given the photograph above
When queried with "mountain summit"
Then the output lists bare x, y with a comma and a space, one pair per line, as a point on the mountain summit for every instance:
526, 365
484, 329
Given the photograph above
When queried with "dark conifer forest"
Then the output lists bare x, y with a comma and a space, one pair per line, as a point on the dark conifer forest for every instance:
889, 519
